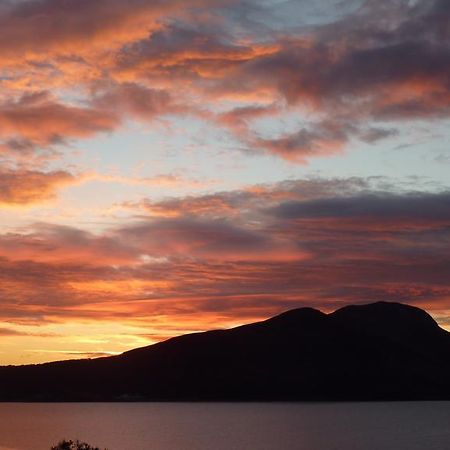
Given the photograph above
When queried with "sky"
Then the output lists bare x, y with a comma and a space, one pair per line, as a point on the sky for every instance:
173, 166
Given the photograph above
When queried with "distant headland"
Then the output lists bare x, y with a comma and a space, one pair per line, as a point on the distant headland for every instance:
378, 351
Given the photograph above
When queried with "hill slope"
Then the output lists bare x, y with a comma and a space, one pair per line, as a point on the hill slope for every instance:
367, 352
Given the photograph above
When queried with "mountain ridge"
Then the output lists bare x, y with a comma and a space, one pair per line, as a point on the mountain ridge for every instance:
375, 351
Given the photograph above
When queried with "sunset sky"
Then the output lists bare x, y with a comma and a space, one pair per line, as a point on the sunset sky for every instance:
170, 166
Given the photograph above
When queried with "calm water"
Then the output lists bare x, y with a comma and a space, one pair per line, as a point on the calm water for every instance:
225, 426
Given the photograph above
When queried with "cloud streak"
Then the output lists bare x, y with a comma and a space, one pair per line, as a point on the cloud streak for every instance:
25, 187
40, 119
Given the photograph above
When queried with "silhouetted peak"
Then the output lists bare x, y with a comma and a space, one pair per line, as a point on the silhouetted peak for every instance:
299, 316
397, 314
387, 318
385, 310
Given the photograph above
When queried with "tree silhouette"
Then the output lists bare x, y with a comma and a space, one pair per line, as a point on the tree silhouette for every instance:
74, 445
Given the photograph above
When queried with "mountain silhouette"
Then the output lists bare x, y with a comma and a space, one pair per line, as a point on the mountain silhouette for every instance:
379, 351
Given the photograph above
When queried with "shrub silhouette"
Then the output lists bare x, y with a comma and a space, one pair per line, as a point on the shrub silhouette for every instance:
73, 445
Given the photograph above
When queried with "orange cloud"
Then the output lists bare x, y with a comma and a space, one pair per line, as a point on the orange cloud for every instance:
61, 244
41, 119
25, 187
323, 140
79, 27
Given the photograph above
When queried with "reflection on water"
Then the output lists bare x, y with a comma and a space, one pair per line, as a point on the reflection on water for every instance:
228, 426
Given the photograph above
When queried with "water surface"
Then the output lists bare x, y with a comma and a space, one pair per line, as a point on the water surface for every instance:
229, 426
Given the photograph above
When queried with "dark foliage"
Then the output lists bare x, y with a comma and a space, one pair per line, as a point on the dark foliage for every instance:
74, 445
